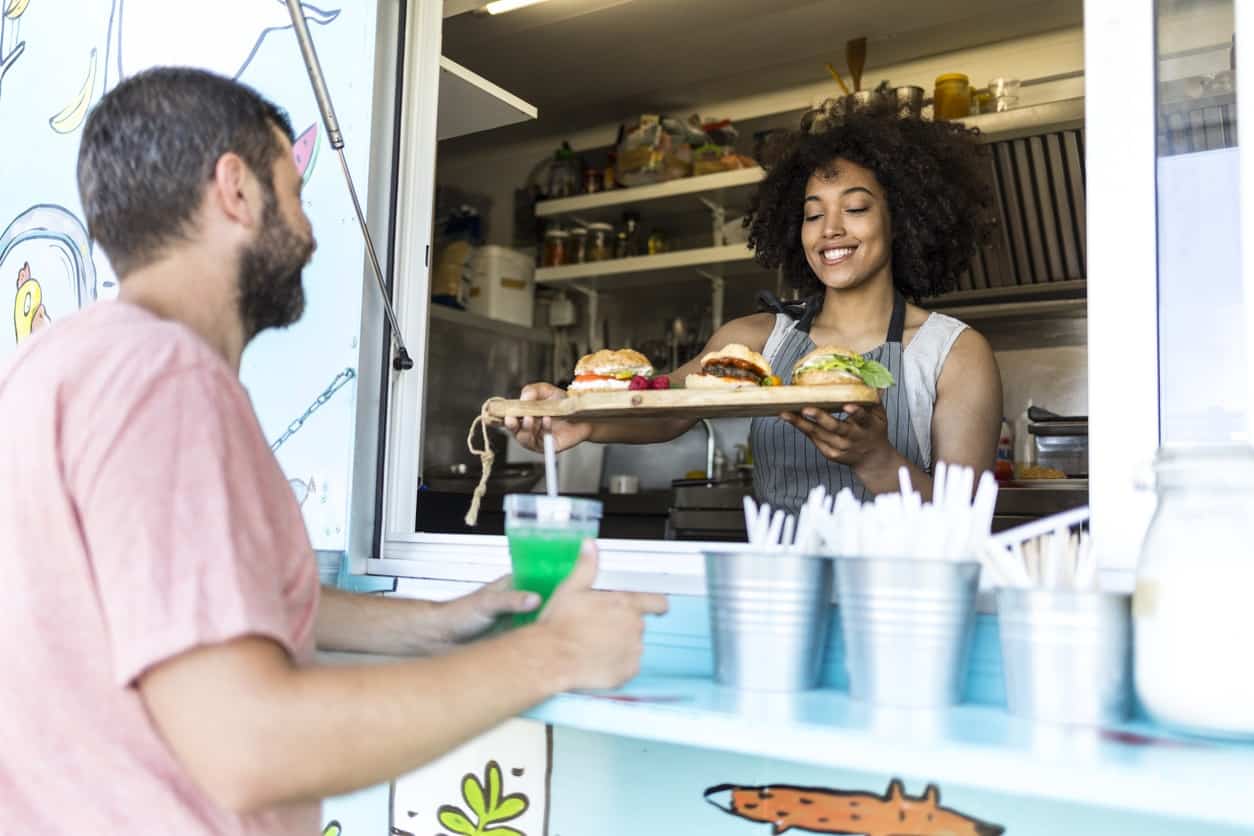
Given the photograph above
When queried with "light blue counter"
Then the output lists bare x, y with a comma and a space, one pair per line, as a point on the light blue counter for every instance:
1113, 776
648, 760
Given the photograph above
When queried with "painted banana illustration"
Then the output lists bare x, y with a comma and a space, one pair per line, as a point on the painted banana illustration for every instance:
68, 120
14, 8
29, 313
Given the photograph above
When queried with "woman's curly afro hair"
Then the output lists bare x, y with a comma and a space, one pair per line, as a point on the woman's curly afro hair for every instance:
936, 180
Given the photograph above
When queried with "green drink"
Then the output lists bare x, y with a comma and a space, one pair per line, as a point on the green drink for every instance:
545, 534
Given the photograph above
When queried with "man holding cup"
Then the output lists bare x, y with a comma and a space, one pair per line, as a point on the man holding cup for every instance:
167, 606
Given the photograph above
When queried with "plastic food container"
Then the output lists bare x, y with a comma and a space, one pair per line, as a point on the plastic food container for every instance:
502, 285
952, 97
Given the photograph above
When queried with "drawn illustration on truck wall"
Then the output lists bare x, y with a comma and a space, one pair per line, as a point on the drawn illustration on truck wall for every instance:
495, 785
821, 810
305, 151
45, 261
49, 268
222, 36
11, 44
70, 117
487, 809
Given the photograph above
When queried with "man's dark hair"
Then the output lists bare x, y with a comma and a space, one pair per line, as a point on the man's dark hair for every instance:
936, 180
149, 147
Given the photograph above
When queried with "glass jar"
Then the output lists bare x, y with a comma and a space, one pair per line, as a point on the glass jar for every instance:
555, 246
952, 97
600, 242
591, 181
578, 251
1191, 610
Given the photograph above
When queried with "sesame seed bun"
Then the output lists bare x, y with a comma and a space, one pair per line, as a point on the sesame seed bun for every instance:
826, 377
736, 351
609, 361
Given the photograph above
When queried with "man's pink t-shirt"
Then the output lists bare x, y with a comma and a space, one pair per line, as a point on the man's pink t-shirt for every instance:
142, 514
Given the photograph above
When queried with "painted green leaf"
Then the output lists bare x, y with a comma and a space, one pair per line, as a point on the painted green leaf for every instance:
456, 821
503, 831
472, 791
494, 784
511, 807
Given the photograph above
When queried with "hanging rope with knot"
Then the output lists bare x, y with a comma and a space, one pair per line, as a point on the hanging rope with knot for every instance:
486, 457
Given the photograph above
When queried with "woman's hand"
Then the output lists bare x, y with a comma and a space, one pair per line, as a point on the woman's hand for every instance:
530, 431
860, 441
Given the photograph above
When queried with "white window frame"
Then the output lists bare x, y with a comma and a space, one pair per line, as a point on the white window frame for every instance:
1122, 317
1121, 166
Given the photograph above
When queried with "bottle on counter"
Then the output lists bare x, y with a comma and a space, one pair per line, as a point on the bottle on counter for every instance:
1024, 447
1004, 467
720, 465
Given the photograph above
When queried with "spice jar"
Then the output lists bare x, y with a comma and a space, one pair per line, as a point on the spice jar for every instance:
591, 181
578, 246
555, 241
656, 243
1191, 610
952, 97
600, 242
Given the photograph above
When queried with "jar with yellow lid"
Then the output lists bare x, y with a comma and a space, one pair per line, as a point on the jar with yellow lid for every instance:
952, 97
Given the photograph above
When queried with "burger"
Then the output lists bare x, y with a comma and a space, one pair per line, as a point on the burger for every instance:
734, 367
829, 364
609, 370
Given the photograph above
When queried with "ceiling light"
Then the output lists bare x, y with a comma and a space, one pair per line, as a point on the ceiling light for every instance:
497, 7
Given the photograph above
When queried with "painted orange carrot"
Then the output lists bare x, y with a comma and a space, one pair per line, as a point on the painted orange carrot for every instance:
841, 811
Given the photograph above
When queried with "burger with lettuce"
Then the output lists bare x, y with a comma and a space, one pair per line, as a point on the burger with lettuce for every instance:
830, 365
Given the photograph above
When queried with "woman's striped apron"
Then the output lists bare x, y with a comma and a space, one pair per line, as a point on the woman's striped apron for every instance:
786, 464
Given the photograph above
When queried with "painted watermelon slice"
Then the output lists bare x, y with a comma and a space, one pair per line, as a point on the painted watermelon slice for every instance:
305, 151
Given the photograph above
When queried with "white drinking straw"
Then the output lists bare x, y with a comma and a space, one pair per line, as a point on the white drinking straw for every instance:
550, 465
1044, 525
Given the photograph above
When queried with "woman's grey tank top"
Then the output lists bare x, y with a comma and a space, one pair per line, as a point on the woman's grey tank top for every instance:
787, 466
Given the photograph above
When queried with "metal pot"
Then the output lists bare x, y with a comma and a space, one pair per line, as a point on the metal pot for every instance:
909, 101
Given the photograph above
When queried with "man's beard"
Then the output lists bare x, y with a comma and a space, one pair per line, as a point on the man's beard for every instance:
270, 291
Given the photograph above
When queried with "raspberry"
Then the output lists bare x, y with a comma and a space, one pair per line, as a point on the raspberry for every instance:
661, 382
637, 383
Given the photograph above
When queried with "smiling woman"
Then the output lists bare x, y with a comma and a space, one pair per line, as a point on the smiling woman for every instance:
860, 217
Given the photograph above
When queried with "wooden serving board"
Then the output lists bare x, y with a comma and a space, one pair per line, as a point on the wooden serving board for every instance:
686, 403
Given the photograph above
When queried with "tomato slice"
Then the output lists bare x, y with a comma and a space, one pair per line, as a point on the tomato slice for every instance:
591, 377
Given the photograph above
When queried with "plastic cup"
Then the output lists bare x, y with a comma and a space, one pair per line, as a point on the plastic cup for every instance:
545, 534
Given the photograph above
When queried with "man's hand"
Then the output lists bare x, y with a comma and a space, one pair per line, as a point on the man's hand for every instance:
530, 431
469, 617
600, 633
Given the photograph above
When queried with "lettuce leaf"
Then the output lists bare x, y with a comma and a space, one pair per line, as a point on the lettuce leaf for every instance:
872, 373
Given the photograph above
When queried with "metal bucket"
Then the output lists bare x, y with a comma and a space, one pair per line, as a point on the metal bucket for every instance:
1067, 655
768, 618
908, 626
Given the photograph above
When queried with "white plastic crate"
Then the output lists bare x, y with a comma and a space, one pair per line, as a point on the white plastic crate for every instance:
502, 285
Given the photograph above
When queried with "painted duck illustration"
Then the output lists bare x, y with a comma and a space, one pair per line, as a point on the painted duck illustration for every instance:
29, 313
852, 813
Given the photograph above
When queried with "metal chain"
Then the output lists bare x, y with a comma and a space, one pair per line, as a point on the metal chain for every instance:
336, 384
